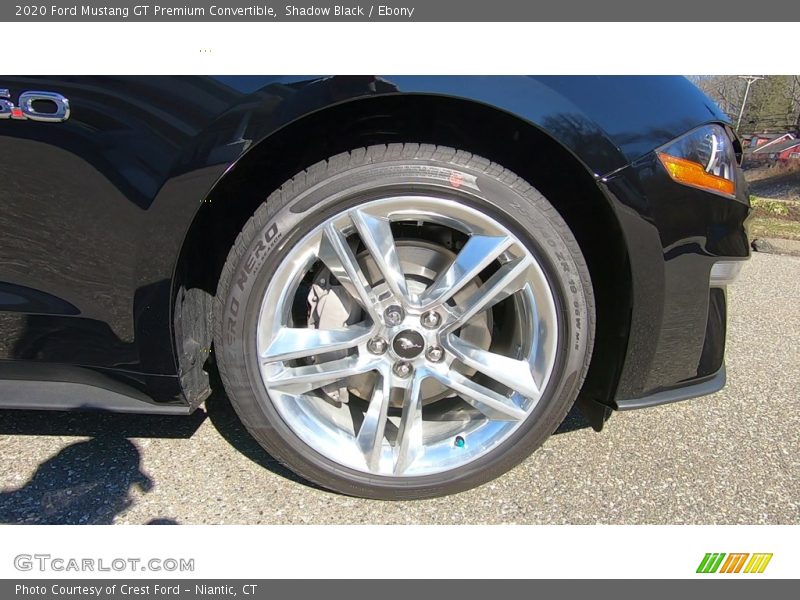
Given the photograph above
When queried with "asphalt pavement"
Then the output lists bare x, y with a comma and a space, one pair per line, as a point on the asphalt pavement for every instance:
730, 458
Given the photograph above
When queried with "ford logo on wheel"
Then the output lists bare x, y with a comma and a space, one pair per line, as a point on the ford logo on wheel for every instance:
408, 344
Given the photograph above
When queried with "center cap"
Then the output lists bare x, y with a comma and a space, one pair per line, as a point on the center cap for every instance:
408, 344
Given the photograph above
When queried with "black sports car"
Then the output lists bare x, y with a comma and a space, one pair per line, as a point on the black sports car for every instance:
405, 283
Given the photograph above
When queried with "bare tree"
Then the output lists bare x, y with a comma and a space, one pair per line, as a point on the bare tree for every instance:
725, 90
773, 102
794, 96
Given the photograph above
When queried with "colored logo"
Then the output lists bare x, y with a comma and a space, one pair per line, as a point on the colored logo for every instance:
734, 563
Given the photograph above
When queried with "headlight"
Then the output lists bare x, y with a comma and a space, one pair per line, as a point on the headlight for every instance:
703, 158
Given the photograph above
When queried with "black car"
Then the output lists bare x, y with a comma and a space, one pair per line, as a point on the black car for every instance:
404, 283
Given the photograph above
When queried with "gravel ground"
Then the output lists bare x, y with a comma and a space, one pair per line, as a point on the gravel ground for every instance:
724, 459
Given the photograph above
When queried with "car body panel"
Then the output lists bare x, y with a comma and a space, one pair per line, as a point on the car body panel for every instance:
674, 234
94, 211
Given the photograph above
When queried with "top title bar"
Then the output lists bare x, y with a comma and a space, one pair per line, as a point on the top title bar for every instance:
462, 11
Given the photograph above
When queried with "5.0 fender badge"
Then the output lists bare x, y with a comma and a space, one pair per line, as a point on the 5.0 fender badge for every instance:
26, 110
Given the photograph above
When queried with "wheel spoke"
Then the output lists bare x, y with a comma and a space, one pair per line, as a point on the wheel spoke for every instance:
370, 435
376, 233
337, 255
486, 312
477, 254
495, 406
506, 281
409, 445
511, 372
300, 380
299, 342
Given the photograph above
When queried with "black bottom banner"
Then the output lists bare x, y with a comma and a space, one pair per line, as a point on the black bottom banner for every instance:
461, 589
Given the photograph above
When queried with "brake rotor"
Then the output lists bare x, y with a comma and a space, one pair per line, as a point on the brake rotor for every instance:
422, 262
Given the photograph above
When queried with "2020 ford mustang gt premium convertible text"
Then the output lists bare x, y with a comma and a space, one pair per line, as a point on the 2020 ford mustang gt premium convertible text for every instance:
404, 283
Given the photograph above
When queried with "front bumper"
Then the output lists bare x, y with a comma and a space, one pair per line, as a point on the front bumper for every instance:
711, 375
701, 387
684, 246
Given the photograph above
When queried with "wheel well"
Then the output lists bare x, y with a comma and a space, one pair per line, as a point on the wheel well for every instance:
477, 128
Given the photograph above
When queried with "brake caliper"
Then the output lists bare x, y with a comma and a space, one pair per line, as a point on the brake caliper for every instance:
331, 307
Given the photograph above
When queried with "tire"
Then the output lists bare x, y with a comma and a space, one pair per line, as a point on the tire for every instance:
544, 330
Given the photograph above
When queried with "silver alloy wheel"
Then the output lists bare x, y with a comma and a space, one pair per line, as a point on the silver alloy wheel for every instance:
409, 385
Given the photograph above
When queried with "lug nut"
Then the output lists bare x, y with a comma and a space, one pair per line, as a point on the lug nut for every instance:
430, 319
377, 345
434, 354
402, 369
393, 315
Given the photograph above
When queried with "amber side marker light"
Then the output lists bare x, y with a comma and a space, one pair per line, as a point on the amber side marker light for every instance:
693, 174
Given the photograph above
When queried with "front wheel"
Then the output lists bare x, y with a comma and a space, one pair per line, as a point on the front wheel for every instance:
403, 321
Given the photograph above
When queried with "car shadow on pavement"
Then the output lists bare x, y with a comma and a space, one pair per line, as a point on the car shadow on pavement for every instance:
227, 423
97, 423
574, 421
90, 481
